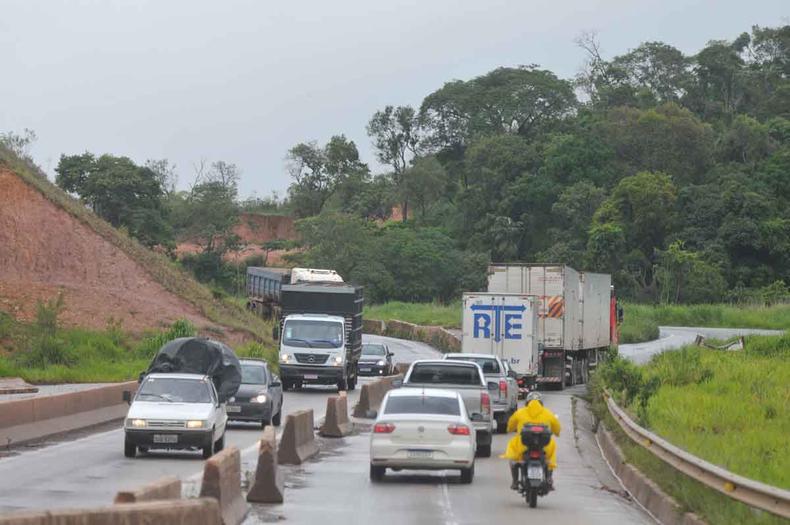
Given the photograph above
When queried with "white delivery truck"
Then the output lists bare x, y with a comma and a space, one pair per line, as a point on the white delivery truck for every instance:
504, 325
573, 324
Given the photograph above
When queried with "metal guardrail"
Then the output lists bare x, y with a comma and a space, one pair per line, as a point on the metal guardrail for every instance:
753, 493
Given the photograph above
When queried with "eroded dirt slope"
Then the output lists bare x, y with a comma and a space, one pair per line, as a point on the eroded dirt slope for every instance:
44, 251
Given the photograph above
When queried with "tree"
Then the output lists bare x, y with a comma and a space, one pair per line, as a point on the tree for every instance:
683, 276
19, 144
122, 193
318, 171
424, 182
165, 173
396, 138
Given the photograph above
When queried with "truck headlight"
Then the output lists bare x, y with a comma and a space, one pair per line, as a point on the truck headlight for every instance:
260, 398
284, 358
196, 423
380, 362
337, 360
137, 423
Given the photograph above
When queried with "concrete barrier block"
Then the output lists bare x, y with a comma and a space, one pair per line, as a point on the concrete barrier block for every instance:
25, 518
402, 368
362, 407
17, 412
166, 488
336, 422
297, 443
222, 481
268, 486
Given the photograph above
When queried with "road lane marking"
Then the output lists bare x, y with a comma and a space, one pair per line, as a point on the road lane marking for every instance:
446, 505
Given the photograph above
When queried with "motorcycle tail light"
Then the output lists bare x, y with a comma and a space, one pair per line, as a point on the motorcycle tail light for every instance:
534, 454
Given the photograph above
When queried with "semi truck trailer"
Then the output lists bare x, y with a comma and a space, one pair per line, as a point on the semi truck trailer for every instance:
573, 316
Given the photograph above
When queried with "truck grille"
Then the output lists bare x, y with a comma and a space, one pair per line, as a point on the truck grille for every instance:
311, 359
157, 423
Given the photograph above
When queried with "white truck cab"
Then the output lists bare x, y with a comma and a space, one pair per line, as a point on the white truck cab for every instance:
312, 349
175, 411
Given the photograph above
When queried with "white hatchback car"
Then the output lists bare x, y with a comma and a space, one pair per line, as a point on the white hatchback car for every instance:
422, 429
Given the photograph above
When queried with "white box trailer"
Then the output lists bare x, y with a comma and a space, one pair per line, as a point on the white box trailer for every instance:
573, 315
504, 325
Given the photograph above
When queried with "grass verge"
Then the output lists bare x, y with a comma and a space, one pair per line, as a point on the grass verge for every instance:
429, 314
728, 408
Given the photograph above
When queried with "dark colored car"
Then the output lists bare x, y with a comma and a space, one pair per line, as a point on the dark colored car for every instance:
376, 360
260, 396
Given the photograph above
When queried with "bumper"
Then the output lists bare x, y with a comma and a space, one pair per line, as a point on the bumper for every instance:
183, 440
322, 375
451, 456
249, 411
500, 408
371, 369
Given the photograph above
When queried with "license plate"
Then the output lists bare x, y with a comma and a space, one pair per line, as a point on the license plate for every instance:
233, 410
311, 376
421, 454
535, 472
364, 369
165, 438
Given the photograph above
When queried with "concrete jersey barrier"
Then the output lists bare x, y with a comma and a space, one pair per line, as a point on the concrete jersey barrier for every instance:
268, 485
336, 421
435, 336
33, 418
167, 512
222, 481
166, 488
372, 395
297, 442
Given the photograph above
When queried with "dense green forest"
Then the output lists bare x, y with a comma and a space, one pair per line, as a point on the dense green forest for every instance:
670, 171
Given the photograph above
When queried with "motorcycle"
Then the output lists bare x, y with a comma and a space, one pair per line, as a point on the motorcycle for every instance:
534, 479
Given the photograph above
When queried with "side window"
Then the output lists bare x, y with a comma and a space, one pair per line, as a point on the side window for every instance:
213, 391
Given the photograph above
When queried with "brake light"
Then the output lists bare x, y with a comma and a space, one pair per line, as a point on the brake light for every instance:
534, 454
383, 428
485, 403
458, 430
503, 388
520, 381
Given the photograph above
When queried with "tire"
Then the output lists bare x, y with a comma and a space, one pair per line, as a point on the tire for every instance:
129, 449
531, 495
208, 450
352, 385
142, 450
342, 384
468, 474
264, 424
220, 444
377, 473
501, 424
484, 451
276, 420
287, 386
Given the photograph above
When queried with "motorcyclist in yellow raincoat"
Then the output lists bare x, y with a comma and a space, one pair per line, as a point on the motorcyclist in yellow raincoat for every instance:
533, 412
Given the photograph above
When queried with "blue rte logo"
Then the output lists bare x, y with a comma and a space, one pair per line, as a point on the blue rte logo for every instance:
486, 315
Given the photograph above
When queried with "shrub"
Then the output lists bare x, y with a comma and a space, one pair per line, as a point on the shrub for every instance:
150, 345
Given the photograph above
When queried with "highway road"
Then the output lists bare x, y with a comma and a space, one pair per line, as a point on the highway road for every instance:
90, 470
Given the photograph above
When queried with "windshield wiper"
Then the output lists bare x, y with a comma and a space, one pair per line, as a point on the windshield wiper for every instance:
294, 339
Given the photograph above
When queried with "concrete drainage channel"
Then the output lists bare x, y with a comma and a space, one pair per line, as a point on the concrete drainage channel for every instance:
217, 495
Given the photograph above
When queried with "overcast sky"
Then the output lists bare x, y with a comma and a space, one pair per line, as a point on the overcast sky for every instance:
243, 81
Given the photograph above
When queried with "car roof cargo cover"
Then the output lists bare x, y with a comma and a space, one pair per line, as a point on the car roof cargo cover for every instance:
198, 355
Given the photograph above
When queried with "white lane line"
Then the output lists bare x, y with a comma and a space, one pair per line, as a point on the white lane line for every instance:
47, 448
447, 506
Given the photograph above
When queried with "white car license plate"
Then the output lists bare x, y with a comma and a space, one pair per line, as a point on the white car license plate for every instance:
311, 376
165, 438
233, 409
535, 472
421, 454
364, 369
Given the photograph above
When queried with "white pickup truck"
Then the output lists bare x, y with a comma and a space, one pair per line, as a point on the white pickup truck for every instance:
467, 379
175, 411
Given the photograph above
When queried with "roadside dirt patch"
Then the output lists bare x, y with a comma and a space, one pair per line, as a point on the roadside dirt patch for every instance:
45, 251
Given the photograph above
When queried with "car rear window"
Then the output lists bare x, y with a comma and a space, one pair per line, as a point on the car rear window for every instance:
445, 374
445, 406
489, 366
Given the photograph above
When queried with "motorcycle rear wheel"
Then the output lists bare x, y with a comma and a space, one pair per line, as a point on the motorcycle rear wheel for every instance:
531, 495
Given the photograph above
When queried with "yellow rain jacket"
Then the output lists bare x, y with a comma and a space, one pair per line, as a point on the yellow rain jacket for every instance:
533, 413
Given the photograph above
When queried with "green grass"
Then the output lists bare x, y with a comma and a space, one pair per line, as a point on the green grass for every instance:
76, 355
729, 408
434, 314
166, 272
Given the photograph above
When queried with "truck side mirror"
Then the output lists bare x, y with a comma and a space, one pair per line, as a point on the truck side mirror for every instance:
276, 332
127, 397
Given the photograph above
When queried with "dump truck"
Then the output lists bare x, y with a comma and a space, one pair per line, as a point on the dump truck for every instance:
264, 285
573, 316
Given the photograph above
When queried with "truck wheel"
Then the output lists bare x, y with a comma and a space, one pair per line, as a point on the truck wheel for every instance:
484, 451
129, 449
501, 424
352, 384
342, 384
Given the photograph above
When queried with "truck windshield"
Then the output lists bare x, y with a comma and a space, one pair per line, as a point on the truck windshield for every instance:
446, 406
174, 390
445, 374
313, 334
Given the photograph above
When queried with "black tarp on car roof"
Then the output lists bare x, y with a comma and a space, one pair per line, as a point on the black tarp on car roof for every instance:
198, 355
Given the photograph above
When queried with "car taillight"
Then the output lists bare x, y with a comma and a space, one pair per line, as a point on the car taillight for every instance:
485, 402
383, 428
503, 388
458, 430
534, 454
